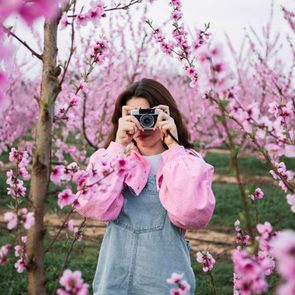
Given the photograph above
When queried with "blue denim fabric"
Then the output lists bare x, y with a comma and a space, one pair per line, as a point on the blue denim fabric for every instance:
141, 249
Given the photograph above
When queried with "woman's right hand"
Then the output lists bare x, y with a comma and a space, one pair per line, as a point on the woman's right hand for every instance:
128, 126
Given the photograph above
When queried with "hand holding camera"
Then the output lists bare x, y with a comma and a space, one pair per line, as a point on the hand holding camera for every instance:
165, 123
137, 120
128, 127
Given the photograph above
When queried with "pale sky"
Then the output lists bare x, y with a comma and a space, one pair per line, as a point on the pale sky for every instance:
230, 16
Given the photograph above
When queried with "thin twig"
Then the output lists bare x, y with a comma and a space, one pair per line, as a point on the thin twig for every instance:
67, 256
39, 56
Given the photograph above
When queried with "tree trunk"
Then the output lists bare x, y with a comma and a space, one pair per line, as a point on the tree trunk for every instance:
41, 161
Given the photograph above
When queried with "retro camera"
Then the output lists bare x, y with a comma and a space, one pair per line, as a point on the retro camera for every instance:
146, 117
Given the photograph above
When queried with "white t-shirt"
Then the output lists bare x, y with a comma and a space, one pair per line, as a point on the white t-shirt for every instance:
154, 161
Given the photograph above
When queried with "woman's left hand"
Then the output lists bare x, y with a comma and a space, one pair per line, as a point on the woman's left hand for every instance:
165, 123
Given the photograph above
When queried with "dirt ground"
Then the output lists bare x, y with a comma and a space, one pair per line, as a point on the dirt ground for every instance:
218, 240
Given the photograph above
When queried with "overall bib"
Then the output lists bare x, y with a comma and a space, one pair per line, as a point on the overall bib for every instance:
142, 248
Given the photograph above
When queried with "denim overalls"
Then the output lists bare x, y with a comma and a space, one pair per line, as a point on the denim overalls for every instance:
142, 248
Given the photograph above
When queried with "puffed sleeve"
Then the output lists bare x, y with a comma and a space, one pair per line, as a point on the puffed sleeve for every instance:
185, 188
104, 203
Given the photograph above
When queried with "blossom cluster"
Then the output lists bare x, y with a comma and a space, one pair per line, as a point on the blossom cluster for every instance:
20, 251
288, 175
62, 148
22, 215
16, 186
4, 251
290, 17
94, 14
182, 285
100, 51
257, 195
242, 238
73, 283
291, 201
26, 218
180, 45
17, 189
28, 10
206, 259
88, 181
251, 270
217, 75
283, 249
273, 125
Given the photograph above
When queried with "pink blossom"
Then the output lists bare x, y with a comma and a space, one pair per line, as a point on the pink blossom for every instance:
273, 108
264, 229
7, 7
96, 12
289, 151
80, 178
190, 71
176, 15
267, 262
34, 9
175, 278
291, 201
18, 189
82, 20
20, 265
249, 277
100, 51
241, 237
11, 218
14, 155
24, 239
73, 167
10, 177
23, 172
71, 227
121, 164
166, 48
274, 149
73, 283
57, 174
4, 251
28, 219
66, 197
206, 259
75, 100
258, 194
283, 248
289, 287
83, 85
29, 10
62, 292
182, 285
63, 21
18, 250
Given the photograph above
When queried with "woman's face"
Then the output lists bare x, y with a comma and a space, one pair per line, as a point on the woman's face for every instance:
149, 139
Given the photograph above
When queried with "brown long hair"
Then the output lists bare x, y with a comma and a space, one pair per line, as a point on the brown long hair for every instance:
155, 93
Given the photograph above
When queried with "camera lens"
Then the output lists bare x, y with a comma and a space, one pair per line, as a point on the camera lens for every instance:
147, 121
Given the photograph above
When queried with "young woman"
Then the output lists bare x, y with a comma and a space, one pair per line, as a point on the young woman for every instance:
166, 190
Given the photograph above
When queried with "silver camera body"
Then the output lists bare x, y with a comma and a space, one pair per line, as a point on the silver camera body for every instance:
146, 117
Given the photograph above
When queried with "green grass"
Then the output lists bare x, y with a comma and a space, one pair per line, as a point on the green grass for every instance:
248, 165
273, 207
83, 257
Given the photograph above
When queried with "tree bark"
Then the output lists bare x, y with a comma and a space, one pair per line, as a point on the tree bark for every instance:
41, 161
